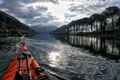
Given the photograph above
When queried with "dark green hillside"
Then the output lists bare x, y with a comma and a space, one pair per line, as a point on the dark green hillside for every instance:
10, 26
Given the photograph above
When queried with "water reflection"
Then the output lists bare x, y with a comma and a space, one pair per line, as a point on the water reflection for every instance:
97, 45
74, 63
55, 59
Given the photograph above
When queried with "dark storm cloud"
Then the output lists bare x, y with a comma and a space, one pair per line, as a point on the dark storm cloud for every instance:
31, 13
27, 14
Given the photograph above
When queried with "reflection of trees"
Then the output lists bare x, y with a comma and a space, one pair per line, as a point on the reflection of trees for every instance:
96, 45
109, 48
97, 33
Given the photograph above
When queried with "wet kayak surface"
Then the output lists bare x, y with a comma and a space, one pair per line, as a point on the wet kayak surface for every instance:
64, 62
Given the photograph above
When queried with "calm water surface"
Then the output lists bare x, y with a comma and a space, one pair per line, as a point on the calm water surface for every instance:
71, 62
67, 61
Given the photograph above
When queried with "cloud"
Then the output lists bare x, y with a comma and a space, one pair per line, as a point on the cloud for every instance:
1, 1
53, 12
88, 7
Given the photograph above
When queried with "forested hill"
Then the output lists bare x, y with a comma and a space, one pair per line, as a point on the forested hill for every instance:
107, 23
10, 26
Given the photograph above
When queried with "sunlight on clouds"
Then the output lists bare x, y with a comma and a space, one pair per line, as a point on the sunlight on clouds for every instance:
4, 9
33, 5
36, 17
61, 11
22, 20
1, 1
56, 10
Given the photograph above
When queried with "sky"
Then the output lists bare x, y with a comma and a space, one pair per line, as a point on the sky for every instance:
53, 12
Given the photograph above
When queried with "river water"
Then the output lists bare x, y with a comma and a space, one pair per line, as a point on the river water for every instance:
68, 62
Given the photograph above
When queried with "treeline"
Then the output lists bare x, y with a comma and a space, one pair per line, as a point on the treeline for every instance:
10, 26
106, 23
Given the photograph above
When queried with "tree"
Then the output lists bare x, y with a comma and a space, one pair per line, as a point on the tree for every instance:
112, 13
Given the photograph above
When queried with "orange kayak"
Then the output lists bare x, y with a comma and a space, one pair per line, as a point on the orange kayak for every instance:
12, 69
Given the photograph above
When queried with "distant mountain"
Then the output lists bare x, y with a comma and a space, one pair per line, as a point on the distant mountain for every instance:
10, 26
44, 29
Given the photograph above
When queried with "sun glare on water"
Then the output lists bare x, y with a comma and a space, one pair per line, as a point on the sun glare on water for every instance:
55, 59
